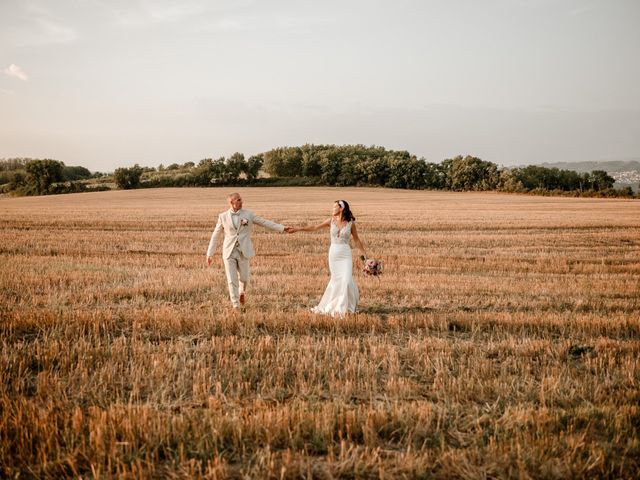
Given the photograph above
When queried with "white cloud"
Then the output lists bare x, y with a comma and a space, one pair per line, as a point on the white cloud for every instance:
14, 70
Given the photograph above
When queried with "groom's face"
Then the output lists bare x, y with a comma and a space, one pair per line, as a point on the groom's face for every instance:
235, 202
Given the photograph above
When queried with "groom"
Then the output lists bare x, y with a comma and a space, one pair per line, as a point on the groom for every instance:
237, 248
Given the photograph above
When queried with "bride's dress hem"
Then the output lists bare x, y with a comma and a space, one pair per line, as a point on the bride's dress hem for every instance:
334, 314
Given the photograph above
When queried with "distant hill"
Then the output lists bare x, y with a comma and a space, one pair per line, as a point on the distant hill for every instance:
608, 166
625, 172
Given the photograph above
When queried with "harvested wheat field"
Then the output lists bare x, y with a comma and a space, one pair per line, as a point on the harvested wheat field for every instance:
503, 339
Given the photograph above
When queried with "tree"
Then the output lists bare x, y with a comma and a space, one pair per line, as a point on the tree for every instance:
509, 182
406, 173
253, 166
284, 162
235, 165
210, 171
330, 165
535, 176
310, 161
601, 180
9, 164
41, 174
444, 169
585, 181
569, 180
626, 192
128, 178
434, 176
416, 173
75, 173
471, 173
375, 171
17, 181
273, 163
293, 162
348, 172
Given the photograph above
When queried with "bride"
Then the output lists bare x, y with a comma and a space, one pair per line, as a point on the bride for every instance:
341, 296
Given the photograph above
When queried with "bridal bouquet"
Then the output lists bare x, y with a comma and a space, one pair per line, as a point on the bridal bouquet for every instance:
371, 266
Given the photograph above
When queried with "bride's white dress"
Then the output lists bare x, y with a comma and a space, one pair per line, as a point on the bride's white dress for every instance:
341, 296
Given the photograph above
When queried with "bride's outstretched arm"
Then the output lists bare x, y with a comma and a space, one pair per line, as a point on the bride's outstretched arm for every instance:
312, 228
356, 239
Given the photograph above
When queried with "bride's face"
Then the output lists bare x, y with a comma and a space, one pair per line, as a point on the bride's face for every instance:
336, 209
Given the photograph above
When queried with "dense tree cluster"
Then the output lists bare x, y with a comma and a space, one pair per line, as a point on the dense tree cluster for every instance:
361, 165
224, 171
27, 176
536, 177
128, 178
348, 165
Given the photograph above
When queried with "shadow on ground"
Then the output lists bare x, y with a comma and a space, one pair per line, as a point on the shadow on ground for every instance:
395, 310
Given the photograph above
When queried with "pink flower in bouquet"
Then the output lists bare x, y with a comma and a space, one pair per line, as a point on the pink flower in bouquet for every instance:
372, 266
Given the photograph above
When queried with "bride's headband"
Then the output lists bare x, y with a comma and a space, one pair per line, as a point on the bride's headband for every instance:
341, 203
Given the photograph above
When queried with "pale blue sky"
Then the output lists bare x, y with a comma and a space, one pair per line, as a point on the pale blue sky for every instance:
111, 83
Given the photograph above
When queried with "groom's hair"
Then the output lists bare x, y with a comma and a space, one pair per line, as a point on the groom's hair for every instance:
347, 215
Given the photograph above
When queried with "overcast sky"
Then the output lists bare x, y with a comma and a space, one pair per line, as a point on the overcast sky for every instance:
105, 84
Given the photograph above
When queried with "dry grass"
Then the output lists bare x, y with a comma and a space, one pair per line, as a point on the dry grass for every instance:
502, 341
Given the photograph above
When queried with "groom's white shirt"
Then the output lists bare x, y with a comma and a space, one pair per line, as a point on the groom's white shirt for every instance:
240, 234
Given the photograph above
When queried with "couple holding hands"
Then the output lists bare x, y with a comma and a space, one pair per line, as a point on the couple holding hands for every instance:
341, 295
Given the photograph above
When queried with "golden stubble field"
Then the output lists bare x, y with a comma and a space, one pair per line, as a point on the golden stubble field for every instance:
502, 340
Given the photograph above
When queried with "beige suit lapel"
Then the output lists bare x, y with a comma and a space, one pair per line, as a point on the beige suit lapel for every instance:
241, 218
230, 220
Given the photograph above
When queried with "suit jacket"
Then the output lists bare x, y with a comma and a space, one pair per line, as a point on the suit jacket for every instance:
240, 235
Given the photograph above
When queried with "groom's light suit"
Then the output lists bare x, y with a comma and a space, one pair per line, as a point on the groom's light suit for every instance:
237, 247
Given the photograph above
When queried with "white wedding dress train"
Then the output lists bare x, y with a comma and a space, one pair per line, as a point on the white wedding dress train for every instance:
341, 295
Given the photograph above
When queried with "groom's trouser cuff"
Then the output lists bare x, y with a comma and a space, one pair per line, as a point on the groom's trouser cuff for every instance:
237, 268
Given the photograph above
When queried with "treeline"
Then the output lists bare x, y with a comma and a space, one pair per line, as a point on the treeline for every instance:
358, 165
28, 176
234, 170
331, 165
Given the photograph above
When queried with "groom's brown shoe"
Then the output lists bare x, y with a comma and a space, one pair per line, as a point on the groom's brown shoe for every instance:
242, 299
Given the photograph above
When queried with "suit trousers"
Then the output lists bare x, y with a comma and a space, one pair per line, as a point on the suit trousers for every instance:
237, 268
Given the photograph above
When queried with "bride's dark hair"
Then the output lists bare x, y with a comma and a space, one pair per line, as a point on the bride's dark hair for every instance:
347, 215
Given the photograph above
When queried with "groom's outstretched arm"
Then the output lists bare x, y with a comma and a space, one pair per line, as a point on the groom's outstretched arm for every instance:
268, 224
214, 239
